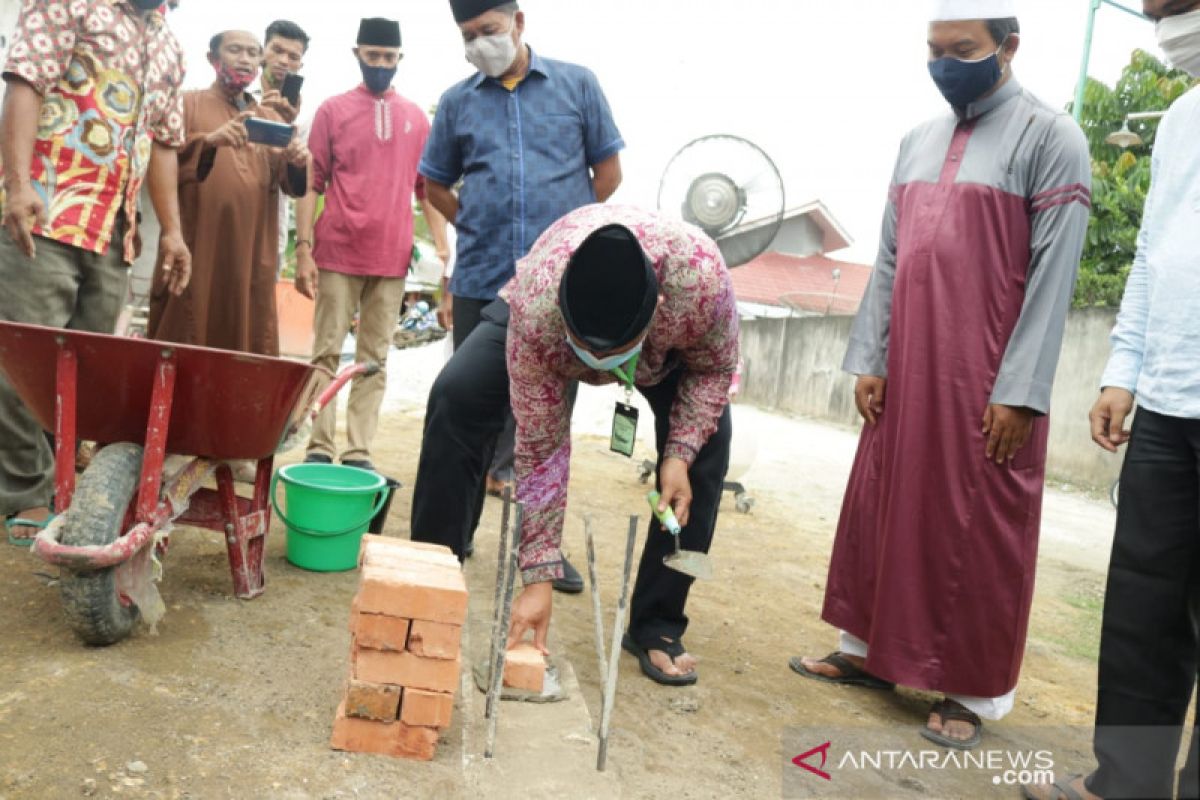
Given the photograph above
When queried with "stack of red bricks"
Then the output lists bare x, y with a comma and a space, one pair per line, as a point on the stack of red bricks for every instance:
406, 625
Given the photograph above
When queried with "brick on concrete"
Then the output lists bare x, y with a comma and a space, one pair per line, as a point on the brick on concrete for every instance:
525, 668
426, 709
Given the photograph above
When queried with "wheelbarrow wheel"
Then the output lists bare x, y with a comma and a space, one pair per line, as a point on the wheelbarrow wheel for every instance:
97, 514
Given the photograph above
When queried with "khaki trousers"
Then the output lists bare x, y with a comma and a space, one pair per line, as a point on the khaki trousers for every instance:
62, 287
378, 302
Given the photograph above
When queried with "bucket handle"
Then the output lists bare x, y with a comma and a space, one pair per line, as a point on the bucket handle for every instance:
383, 496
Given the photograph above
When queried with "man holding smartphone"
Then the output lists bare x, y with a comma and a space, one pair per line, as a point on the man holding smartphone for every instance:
228, 196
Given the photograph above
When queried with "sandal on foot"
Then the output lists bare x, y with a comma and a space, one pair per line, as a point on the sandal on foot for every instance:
851, 675
672, 649
951, 711
20, 522
1062, 788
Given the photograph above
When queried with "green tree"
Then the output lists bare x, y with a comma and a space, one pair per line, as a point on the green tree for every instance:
1120, 177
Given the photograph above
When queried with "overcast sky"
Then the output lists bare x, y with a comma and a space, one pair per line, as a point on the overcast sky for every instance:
826, 88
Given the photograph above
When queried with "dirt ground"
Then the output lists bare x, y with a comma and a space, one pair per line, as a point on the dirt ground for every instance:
234, 699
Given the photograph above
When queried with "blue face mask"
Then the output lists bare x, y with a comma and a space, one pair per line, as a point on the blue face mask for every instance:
964, 82
608, 363
148, 5
377, 79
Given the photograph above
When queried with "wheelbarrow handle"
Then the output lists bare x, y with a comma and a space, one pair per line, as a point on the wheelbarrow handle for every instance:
345, 376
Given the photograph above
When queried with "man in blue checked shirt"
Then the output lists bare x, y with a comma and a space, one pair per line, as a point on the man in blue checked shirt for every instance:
531, 139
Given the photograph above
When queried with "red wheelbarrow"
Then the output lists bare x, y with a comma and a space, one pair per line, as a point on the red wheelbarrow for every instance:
144, 400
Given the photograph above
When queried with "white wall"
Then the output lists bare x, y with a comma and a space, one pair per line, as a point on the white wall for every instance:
794, 365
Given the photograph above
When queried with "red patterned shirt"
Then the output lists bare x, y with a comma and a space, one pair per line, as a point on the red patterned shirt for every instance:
695, 329
110, 78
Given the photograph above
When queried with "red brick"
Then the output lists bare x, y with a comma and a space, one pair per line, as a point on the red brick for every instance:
385, 738
411, 559
430, 593
407, 669
435, 639
373, 546
426, 709
379, 632
525, 668
372, 701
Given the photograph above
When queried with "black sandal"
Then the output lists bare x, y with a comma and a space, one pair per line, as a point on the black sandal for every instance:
673, 649
851, 675
952, 711
1062, 788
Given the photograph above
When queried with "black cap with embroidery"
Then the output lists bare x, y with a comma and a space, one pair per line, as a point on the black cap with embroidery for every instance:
470, 9
609, 291
379, 32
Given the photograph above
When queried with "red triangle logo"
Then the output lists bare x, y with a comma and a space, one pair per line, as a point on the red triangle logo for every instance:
801, 761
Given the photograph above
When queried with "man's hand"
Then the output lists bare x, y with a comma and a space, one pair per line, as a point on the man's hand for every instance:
280, 105
676, 489
22, 209
232, 133
531, 612
868, 396
1108, 418
306, 272
174, 262
1007, 430
297, 152
445, 309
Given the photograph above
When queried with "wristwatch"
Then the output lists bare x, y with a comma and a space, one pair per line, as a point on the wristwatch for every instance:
304, 241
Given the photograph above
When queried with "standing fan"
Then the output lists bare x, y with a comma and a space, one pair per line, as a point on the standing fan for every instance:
728, 187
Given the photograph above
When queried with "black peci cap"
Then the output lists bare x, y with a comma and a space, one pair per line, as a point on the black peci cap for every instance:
379, 32
609, 292
470, 9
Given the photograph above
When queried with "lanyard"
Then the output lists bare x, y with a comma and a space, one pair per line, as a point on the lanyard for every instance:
626, 373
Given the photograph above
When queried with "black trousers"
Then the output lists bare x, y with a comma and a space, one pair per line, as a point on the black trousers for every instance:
463, 412
467, 314
1150, 638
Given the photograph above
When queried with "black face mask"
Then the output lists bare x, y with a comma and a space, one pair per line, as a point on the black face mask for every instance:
147, 5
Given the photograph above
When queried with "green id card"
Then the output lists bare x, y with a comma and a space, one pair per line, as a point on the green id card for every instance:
624, 429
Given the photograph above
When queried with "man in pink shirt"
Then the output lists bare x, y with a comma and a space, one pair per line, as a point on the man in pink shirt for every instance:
365, 145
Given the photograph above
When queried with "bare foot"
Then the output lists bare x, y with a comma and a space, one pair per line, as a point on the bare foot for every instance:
684, 664
954, 729
818, 667
23, 532
1041, 791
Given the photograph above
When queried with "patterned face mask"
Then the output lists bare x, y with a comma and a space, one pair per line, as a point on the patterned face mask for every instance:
234, 81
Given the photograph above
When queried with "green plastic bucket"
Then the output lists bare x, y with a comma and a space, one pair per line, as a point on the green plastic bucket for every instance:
329, 507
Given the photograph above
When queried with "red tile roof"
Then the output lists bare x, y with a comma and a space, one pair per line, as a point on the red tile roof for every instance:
806, 284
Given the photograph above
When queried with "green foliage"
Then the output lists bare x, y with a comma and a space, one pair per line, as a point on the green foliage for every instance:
1120, 177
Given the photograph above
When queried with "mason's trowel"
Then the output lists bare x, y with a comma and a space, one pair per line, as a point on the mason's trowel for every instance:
689, 562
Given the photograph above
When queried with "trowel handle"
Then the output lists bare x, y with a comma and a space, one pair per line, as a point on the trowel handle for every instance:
667, 518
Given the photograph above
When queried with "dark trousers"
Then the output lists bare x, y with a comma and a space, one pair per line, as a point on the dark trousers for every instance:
463, 411
467, 314
1150, 638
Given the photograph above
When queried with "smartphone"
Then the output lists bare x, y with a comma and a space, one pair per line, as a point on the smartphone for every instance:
291, 88
268, 132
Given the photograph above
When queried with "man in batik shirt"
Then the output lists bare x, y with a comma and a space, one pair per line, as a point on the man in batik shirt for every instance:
608, 295
92, 109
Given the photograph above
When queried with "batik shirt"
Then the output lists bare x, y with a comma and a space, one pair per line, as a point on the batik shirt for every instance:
110, 78
695, 329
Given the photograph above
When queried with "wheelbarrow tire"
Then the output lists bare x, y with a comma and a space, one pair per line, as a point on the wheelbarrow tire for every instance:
102, 497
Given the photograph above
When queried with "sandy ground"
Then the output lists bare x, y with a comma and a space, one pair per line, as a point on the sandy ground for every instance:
234, 699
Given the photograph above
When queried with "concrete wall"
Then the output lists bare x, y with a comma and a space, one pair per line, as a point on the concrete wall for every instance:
794, 366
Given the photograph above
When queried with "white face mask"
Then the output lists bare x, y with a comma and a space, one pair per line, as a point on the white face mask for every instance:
493, 55
1179, 37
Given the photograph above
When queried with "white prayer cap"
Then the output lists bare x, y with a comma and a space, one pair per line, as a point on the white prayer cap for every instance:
952, 10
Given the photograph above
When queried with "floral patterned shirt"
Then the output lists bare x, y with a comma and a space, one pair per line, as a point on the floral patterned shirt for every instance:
695, 329
110, 78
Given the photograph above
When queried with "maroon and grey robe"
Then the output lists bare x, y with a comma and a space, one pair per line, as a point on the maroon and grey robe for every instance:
933, 564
